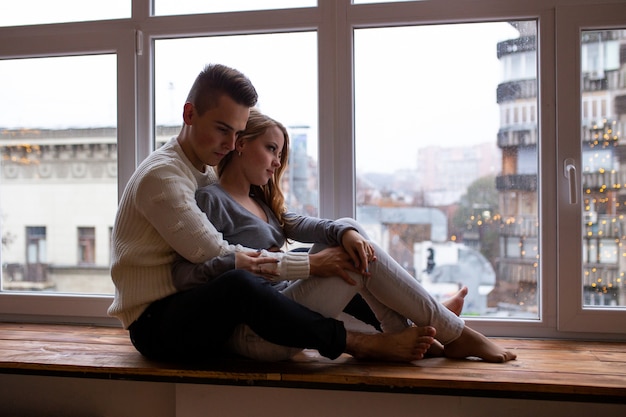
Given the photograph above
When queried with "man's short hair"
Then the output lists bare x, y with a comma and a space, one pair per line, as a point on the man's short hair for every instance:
216, 80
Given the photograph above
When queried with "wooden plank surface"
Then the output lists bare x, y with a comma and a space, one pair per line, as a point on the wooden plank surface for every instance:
545, 369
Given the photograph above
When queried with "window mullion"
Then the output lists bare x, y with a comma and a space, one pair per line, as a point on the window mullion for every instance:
336, 161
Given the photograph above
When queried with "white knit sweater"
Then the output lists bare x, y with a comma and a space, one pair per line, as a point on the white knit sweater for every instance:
157, 217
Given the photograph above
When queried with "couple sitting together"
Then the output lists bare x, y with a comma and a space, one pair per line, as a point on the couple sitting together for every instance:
197, 261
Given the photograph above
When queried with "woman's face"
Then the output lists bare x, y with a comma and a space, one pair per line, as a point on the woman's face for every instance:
262, 156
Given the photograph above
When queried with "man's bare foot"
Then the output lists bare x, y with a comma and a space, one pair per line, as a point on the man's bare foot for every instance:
472, 343
407, 345
455, 303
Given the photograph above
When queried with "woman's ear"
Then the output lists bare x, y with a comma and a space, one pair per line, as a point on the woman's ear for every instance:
239, 145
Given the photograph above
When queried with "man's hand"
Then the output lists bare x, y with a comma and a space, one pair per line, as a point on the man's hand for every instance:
259, 265
332, 262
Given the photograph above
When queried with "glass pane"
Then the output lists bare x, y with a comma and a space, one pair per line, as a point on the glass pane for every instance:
603, 120
282, 67
177, 7
446, 155
58, 173
34, 12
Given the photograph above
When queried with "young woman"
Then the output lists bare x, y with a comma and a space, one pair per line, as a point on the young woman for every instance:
247, 207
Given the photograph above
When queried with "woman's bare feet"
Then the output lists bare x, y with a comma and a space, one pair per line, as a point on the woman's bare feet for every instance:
472, 343
407, 345
455, 303
435, 350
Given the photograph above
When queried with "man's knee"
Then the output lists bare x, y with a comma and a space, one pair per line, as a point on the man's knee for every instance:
244, 283
244, 341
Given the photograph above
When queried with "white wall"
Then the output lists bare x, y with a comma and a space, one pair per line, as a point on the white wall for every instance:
23, 395
26, 396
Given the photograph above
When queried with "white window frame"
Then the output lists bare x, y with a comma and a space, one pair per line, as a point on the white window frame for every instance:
572, 21
334, 20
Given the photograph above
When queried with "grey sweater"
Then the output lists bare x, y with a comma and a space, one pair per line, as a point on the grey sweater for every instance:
239, 226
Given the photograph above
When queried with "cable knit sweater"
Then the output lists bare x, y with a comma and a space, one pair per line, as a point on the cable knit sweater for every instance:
158, 217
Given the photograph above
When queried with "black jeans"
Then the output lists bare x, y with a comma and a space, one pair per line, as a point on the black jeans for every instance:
195, 324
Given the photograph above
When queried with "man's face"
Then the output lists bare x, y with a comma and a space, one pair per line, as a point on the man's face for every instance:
213, 134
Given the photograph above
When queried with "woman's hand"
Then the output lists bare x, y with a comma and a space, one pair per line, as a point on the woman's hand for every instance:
359, 249
259, 265
332, 262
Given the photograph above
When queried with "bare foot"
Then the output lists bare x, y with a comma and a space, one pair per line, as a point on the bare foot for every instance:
472, 343
435, 350
455, 303
407, 345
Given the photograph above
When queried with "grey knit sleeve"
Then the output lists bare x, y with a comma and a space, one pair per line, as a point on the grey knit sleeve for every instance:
315, 230
186, 275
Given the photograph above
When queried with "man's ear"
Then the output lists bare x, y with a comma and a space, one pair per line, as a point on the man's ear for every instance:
189, 112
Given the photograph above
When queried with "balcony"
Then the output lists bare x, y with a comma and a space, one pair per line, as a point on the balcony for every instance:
603, 133
521, 226
515, 137
26, 277
515, 90
604, 181
517, 45
527, 182
603, 226
518, 270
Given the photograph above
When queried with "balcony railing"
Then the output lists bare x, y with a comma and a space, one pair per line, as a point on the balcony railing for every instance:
525, 136
527, 182
607, 180
522, 226
515, 90
517, 270
605, 226
517, 45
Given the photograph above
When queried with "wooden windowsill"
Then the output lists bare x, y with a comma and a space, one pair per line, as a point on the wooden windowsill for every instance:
545, 369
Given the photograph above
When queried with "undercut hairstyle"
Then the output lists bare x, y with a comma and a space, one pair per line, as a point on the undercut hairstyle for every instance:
216, 80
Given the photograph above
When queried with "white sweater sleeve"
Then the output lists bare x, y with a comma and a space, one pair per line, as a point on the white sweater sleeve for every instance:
166, 196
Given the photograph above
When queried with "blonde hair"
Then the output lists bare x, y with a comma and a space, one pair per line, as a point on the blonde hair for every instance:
271, 193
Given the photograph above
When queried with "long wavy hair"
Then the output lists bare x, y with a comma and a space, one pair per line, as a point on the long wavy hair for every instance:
271, 193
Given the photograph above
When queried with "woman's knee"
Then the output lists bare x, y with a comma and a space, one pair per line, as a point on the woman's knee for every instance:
353, 223
350, 221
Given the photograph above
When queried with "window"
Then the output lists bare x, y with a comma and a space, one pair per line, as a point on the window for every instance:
86, 245
431, 156
596, 277
35, 266
287, 93
435, 126
603, 214
175, 7
33, 12
59, 167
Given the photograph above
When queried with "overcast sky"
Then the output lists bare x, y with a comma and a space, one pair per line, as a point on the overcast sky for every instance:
415, 86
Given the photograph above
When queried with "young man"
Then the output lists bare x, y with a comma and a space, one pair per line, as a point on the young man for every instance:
158, 217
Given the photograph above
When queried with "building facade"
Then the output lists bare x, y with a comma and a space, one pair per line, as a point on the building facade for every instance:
603, 84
